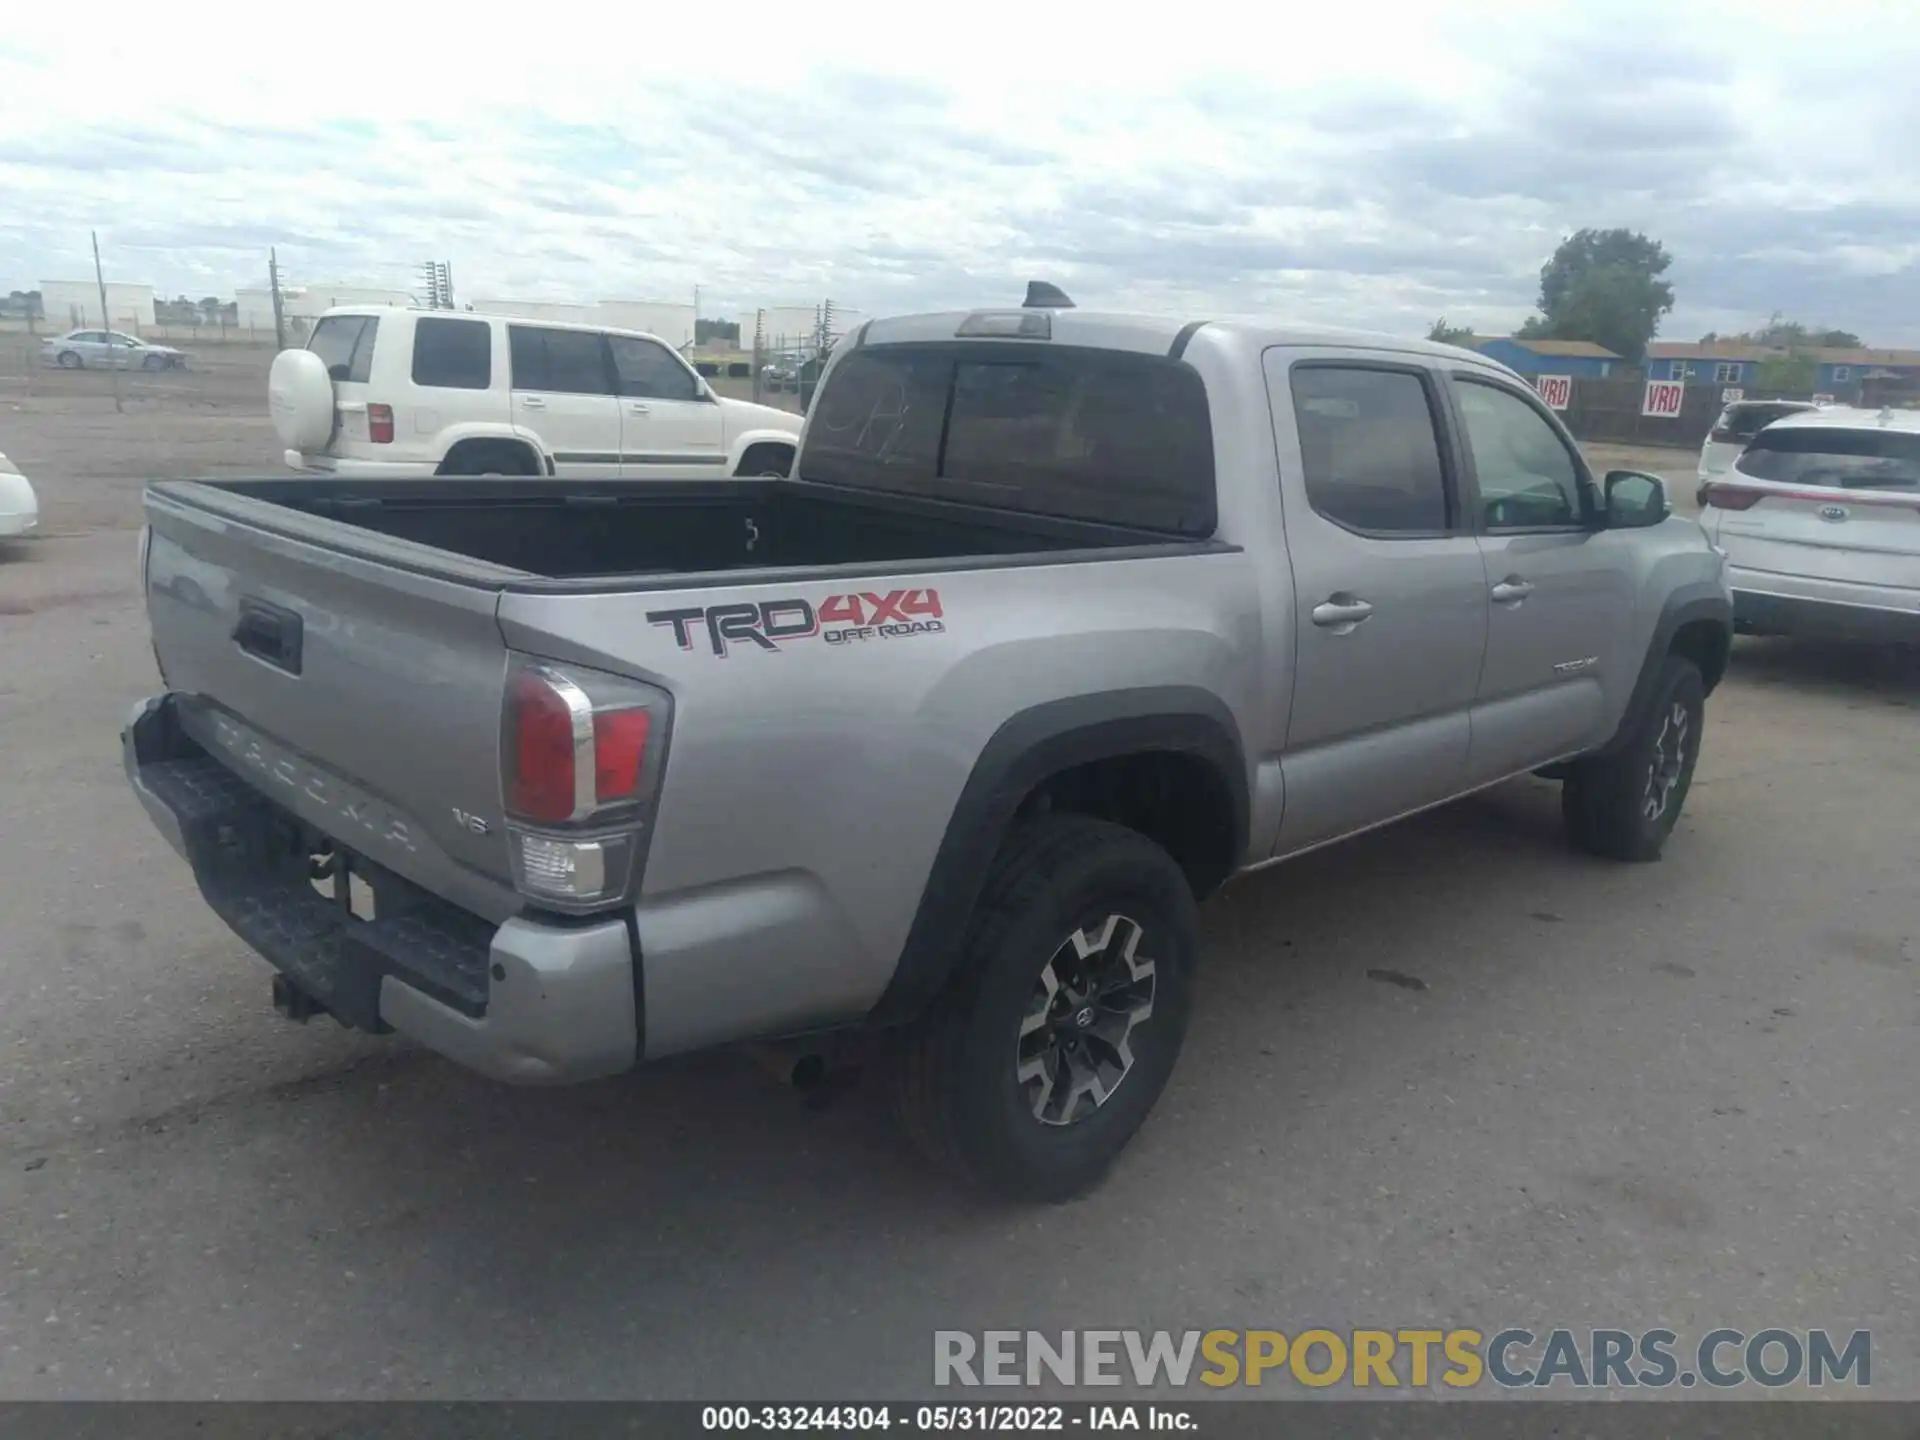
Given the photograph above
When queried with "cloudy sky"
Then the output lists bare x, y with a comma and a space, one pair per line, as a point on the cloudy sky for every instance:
1375, 163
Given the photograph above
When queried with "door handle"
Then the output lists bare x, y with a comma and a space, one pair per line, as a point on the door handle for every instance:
533, 402
1511, 591
1340, 612
640, 409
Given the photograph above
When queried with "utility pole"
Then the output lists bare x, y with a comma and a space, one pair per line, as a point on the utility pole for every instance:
696, 316
279, 312
759, 353
106, 321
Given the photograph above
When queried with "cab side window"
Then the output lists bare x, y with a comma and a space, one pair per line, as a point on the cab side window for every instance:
1528, 478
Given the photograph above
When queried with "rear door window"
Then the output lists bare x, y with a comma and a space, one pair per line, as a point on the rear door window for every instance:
1370, 449
564, 362
1078, 434
646, 370
344, 344
452, 354
1835, 459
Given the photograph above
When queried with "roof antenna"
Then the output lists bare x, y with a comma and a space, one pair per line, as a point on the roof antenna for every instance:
1044, 296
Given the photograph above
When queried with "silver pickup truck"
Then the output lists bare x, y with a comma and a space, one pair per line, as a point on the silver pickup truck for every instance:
1060, 621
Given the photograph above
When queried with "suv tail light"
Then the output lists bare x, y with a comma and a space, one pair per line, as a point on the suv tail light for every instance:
380, 424
1729, 497
580, 763
1720, 435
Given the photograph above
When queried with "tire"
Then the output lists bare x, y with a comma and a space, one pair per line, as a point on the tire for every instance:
765, 462
69, 360
488, 460
154, 363
1610, 803
971, 1083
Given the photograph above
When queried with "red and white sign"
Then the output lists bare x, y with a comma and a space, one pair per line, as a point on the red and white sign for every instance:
1556, 390
1663, 398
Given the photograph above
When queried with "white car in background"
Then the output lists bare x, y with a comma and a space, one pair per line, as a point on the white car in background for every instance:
19, 509
109, 350
397, 392
1820, 521
1736, 427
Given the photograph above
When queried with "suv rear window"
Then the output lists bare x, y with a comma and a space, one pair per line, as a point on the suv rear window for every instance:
1745, 419
1077, 434
1844, 459
452, 354
344, 344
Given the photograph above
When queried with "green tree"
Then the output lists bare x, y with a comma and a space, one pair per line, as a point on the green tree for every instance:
1450, 334
1603, 286
1794, 370
1780, 333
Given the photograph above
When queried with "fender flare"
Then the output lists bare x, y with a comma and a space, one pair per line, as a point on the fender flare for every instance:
458, 434
1034, 745
1701, 601
747, 439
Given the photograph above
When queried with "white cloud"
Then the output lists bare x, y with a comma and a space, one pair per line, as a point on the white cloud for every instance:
1375, 164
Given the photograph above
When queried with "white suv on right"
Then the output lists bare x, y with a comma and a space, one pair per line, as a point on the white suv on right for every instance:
386, 391
1819, 519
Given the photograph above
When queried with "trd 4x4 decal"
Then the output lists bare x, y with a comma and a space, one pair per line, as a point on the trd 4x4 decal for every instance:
838, 620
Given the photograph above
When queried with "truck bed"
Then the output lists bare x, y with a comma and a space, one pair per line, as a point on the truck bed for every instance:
576, 530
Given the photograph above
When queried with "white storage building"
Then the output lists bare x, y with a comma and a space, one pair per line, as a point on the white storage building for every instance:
559, 312
75, 304
307, 302
672, 322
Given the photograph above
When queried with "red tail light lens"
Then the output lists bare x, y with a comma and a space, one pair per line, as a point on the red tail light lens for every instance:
380, 424
1720, 435
1731, 497
540, 750
619, 747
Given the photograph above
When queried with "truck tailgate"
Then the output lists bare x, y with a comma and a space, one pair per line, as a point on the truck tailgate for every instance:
362, 696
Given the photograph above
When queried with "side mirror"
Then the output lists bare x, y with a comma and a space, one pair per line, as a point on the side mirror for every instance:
1635, 500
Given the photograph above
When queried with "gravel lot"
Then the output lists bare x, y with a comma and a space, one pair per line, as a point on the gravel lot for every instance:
1674, 1095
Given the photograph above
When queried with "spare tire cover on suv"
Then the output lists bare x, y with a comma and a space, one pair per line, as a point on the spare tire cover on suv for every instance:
300, 397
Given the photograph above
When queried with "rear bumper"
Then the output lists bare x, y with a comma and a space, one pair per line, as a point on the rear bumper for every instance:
346, 469
529, 1002
1770, 604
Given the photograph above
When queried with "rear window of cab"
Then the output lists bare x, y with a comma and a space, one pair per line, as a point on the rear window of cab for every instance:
1081, 434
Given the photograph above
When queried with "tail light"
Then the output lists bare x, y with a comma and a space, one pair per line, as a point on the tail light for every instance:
380, 424
1720, 435
1729, 497
580, 763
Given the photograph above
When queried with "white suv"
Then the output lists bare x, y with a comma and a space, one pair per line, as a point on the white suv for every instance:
393, 392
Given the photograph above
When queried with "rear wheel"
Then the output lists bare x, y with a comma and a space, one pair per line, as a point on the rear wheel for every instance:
1623, 806
767, 462
489, 459
1065, 1015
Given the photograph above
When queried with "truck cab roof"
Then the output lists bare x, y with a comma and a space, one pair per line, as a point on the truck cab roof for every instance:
1146, 334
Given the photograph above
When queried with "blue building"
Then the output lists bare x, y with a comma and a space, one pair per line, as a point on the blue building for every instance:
1841, 372
1581, 358
1724, 362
